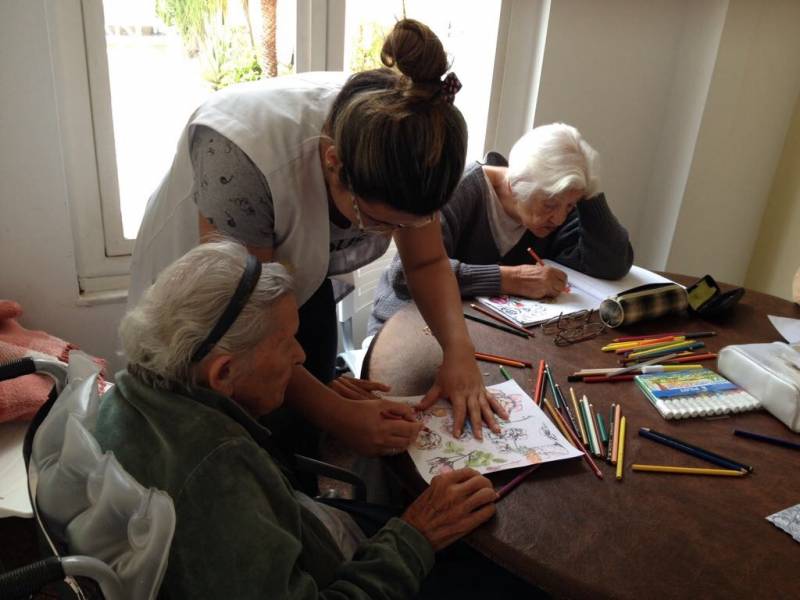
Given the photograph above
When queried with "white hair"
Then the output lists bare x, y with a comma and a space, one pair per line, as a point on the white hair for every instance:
552, 159
181, 308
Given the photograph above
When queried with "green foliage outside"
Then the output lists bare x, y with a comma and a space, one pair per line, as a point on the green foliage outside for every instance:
367, 53
229, 58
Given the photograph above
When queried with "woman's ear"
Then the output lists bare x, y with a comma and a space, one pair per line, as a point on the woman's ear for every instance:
331, 159
218, 374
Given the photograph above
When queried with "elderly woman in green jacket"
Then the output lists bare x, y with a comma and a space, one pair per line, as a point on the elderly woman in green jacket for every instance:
211, 347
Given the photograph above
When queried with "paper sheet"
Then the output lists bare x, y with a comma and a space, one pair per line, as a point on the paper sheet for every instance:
788, 520
527, 438
586, 293
788, 328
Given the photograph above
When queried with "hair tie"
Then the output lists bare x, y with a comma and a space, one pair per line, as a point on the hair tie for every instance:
450, 87
248, 282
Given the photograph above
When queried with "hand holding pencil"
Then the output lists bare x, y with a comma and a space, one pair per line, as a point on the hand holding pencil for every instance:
532, 281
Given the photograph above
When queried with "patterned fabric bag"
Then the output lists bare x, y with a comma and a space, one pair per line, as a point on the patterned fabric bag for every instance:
644, 302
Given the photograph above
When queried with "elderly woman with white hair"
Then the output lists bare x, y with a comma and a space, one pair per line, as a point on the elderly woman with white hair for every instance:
211, 347
546, 197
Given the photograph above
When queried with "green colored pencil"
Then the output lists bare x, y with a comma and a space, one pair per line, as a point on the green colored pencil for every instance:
505, 373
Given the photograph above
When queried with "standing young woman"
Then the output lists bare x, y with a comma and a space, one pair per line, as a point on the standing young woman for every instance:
318, 172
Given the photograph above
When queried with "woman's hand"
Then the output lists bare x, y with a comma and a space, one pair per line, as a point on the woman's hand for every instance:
454, 504
357, 389
375, 427
532, 281
460, 381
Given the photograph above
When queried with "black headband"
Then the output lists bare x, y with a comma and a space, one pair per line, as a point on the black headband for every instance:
250, 277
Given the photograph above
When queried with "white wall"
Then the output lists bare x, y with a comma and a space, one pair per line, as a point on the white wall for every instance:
751, 99
37, 261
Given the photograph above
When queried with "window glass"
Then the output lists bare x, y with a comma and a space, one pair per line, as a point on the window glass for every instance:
468, 31
164, 58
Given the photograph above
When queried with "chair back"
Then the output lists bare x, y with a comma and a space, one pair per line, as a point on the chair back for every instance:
86, 503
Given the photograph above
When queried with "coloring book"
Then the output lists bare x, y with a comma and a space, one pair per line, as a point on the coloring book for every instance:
586, 293
527, 438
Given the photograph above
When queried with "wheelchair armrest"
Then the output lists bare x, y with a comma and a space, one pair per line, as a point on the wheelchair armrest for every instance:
307, 464
27, 580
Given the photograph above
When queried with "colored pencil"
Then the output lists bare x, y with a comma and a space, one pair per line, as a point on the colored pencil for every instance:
539, 383
525, 363
579, 446
505, 373
566, 410
549, 375
642, 347
583, 373
617, 424
495, 325
503, 491
602, 426
500, 318
687, 345
590, 428
687, 470
635, 343
692, 357
652, 361
578, 417
687, 448
766, 438
499, 361
554, 417
621, 456
601, 450
609, 379
697, 334
535, 256
610, 445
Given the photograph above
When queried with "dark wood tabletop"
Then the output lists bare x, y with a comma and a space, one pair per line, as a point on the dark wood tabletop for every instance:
649, 535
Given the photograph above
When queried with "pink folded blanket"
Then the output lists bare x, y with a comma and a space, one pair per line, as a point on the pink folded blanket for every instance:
20, 398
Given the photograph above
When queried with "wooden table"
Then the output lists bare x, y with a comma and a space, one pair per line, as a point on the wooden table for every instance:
650, 535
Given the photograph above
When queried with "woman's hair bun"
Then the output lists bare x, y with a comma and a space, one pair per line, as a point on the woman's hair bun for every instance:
415, 50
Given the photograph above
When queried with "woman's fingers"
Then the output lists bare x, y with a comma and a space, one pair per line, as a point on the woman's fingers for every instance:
367, 384
497, 408
430, 398
475, 416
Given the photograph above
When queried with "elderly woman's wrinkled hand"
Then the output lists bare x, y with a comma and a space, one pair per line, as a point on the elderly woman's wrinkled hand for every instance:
532, 281
377, 427
454, 504
357, 389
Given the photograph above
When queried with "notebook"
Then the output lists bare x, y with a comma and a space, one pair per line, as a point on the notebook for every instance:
694, 393
585, 293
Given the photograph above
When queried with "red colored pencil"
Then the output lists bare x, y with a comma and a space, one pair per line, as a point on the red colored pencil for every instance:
604, 379
537, 394
691, 358
631, 338
500, 318
499, 361
516, 481
535, 256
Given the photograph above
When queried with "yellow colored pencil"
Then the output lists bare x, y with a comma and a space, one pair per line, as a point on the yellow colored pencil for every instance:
615, 445
688, 470
620, 457
673, 346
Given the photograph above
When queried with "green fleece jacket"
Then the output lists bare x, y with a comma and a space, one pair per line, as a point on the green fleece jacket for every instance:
240, 532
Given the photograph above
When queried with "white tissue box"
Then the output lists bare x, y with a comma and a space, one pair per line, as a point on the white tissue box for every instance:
771, 373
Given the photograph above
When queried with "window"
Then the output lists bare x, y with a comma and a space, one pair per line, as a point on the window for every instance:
468, 31
130, 73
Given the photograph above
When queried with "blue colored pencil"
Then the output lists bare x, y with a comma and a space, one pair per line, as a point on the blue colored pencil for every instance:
766, 438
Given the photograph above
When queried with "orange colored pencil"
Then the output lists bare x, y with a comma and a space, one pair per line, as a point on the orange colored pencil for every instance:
500, 356
500, 318
499, 361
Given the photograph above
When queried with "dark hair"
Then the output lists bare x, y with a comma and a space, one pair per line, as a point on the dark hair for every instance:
399, 141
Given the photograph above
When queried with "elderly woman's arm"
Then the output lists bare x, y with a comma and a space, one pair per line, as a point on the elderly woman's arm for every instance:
265, 545
593, 241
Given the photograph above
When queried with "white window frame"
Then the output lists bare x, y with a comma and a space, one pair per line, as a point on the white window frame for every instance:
77, 38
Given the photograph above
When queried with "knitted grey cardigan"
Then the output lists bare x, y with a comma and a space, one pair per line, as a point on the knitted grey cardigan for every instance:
591, 240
